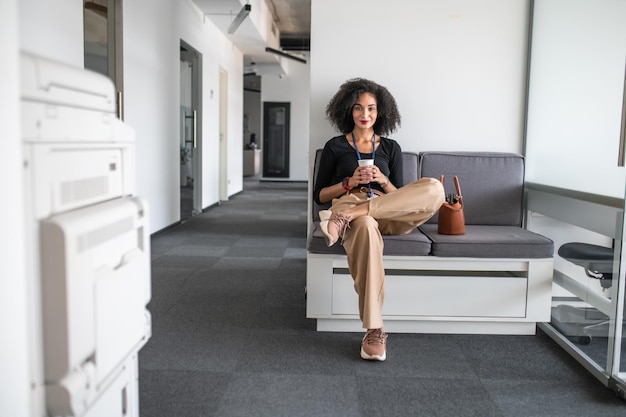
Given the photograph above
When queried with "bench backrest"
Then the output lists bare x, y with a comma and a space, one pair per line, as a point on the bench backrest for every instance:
492, 184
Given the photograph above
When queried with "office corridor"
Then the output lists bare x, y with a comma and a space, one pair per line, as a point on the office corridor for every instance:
230, 337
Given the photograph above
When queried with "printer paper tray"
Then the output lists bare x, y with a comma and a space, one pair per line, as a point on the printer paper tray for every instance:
96, 284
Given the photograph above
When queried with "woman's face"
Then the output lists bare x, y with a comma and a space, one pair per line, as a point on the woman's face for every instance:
365, 111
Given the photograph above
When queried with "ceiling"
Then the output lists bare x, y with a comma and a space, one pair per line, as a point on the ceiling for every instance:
291, 19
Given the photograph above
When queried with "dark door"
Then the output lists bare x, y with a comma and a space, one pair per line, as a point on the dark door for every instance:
276, 139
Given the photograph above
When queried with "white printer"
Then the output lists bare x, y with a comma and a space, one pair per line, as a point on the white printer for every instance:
88, 243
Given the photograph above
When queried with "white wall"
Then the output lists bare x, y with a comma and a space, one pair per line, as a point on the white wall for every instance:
575, 95
152, 34
151, 102
52, 29
293, 88
217, 53
14, 381
457, 68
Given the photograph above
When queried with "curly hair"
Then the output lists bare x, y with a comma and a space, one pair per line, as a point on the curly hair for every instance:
339, 109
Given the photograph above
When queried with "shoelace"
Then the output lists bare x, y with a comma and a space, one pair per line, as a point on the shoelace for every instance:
375, 336
341, 222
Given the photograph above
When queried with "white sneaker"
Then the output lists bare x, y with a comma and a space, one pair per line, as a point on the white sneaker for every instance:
374, 346
341, 222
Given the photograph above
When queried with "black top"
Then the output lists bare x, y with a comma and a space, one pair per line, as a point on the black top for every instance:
339, 160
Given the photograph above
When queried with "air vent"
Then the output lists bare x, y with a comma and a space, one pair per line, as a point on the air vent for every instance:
105, 233
86, 189
295, 43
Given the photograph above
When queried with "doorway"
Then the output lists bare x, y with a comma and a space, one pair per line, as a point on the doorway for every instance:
102, 32
224, 182
190, 143
276, 139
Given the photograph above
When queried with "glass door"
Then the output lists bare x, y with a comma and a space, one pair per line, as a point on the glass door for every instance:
620, 335
190, 143
103, 42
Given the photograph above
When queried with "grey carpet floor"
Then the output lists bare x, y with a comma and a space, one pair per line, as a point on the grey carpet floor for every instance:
230, 337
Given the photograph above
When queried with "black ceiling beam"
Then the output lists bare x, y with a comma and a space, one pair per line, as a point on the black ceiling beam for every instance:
285, 54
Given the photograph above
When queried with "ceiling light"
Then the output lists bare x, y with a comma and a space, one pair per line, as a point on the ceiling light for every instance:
285, 54
241, 16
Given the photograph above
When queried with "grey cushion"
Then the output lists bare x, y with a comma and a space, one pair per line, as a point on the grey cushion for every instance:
492, 184
489, 242
413, 244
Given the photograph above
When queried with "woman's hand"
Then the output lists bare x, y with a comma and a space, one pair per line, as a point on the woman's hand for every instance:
365, 174
371, 173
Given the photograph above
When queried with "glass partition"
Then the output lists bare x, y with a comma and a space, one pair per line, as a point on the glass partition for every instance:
618, 375
587, 297
575, 175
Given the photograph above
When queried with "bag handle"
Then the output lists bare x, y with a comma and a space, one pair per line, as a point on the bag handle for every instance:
457, 185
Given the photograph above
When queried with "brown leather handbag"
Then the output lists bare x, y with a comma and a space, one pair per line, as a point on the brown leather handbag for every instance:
451, 217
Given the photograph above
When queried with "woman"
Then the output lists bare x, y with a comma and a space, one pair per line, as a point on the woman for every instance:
368, 201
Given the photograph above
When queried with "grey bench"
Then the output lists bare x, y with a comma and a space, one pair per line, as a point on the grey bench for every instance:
496, 278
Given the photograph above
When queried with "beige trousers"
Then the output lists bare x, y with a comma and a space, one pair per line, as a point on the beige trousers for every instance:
396, 213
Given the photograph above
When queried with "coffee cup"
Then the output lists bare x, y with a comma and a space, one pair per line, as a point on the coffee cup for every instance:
366, 162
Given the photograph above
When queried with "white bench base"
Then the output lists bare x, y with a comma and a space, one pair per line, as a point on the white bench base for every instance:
395, 325
429, 294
